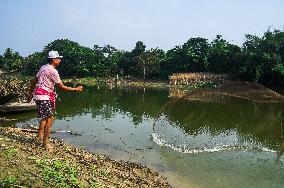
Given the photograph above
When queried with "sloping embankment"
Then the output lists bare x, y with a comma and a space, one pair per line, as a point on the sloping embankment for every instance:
23, 163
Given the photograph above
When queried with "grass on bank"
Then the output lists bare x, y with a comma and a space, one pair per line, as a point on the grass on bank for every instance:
24, 164
42, 172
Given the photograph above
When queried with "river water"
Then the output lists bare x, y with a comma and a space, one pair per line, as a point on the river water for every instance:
230, 143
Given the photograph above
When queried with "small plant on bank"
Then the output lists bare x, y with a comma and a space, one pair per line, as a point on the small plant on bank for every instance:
97, 172
94, 184
59, 173
10, 153
105, 173
9, 181
94, 169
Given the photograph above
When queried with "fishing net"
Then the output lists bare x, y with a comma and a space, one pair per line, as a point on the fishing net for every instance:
213, 119
243, 90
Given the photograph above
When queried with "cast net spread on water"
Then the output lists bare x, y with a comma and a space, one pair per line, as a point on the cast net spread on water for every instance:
197, 133
243, 90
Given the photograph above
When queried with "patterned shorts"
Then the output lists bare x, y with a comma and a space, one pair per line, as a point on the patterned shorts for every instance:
44, 109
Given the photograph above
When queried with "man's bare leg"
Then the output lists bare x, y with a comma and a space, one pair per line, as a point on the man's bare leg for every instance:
41, 129
48, 126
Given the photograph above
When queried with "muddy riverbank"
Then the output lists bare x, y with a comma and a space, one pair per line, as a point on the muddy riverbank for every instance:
23, 163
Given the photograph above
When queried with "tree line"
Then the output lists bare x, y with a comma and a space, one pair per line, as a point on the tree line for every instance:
259, 59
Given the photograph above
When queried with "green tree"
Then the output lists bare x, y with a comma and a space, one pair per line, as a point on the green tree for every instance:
124, 64
251, 68
192, 56
129, 62
175, 62
196, 51
111, 58
148, 63
1, 62
262, 57
139, 49
33, 63
77, 60
11, 61
218, 56
272, 56
224, 57
115, 60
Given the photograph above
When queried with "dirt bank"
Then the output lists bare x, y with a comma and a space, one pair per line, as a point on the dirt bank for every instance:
24, 164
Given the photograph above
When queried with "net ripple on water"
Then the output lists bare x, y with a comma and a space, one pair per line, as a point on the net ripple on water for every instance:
184, 148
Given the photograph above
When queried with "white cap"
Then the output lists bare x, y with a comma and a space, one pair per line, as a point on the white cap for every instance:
53, 54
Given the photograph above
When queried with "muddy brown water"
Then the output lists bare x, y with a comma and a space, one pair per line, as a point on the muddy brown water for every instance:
231, 143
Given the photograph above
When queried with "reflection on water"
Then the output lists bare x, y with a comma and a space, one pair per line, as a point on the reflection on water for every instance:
106, 103
10, 119
197, 144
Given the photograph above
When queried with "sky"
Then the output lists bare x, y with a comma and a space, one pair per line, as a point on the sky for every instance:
27, 26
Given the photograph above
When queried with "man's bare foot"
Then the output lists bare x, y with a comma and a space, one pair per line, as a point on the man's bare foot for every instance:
48, 147
38, 143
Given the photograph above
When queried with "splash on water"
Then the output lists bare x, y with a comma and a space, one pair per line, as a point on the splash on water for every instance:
185, 149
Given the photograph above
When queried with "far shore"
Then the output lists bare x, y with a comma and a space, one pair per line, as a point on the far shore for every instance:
133, 82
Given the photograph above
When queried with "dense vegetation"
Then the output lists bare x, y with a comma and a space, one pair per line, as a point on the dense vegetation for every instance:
259, 59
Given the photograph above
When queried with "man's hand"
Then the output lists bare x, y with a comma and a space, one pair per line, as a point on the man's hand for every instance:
79, 88
66, 88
